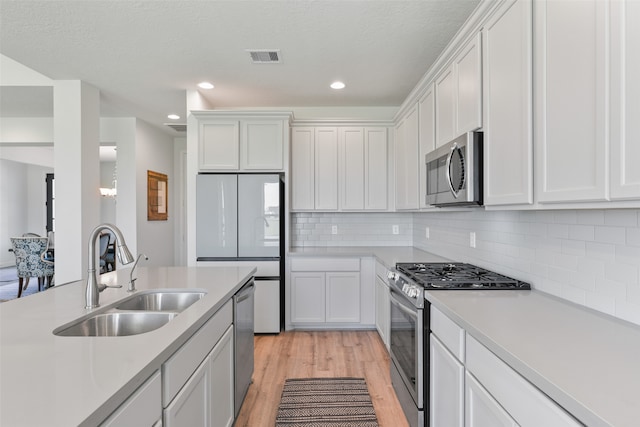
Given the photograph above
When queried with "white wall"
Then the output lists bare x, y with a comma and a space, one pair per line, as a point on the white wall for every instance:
590, 257
22, 204
154, 151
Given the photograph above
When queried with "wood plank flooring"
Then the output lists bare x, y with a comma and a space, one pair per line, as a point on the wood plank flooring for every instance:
306, 354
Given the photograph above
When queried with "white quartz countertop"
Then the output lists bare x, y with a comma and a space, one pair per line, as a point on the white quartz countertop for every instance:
46, 380
387, 255
588, 362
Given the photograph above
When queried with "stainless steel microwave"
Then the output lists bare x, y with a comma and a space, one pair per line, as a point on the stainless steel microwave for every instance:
454, 172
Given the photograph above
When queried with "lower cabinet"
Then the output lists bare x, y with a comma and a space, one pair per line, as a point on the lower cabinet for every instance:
325, 292
382, 310
481, 409
191, 406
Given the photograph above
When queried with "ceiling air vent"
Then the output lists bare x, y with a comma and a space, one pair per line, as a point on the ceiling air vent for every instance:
179, 127
264, 56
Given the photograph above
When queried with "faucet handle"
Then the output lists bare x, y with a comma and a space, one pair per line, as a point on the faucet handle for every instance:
102, 286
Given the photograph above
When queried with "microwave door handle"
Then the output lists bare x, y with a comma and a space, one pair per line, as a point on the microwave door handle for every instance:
448, 171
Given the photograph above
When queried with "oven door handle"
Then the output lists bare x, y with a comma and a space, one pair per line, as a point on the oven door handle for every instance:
402, 306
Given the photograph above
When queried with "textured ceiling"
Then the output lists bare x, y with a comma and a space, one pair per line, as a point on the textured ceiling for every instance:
144, 55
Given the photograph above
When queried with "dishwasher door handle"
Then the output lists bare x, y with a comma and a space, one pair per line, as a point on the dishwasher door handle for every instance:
246, 293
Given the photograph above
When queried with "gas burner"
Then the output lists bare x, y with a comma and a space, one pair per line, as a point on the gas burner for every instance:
457, 276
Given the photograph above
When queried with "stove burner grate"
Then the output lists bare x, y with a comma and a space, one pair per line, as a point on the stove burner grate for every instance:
457, 276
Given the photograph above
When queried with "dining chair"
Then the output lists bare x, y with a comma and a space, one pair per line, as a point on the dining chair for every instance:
104, 248
28, 252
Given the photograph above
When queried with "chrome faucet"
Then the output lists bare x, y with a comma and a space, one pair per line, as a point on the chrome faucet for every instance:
93, 288
132, 284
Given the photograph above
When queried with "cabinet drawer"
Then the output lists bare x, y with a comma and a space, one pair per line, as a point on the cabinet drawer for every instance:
521, 399
325, 264
450, 334
142, 408
183, 363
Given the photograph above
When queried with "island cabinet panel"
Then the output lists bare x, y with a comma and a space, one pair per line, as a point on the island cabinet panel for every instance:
508, 104
192, 404
625, 93
222, 381
143, 408
570, 98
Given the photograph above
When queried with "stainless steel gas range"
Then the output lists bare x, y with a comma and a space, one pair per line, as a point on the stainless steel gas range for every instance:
410, 326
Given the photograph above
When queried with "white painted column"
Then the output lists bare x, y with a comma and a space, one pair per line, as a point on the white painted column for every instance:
76, 111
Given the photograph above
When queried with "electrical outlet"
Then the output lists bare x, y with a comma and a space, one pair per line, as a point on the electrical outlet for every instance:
472, 239
426, 232
334, 229
396, 229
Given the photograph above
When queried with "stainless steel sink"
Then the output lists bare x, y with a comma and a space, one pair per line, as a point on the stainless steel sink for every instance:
175, 301
116, 324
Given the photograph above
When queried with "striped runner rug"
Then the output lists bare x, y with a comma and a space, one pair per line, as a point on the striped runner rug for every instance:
326, 402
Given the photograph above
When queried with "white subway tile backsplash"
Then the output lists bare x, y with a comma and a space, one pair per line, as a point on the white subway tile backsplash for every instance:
633, 236
621, 217
582, 232
590, 217
616, 235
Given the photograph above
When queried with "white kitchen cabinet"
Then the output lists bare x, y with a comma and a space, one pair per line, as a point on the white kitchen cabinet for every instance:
382, 310
508, 104
445, 106
625, 92
192, 404
302, 168
326, 168
222, 381
238, 142
218, 145
262, 145
143, 408
363, 166
327, 292
406, 157
458, 93
527, 405
570, 100
447, 386
427, 137
481, 409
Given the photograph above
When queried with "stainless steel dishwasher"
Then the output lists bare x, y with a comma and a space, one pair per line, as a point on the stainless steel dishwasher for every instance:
243, 302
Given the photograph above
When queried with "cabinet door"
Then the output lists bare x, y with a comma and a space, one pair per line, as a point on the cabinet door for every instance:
302, 169
445, 107
352, 168
625, 93
481, 409
447, 387
407, 163
382, 310
307, 298
192, 405
508, 137
262, 145
427, 136
222, 393
376, 169
468, 87
570, 100
326, 168
219, 145
343, 297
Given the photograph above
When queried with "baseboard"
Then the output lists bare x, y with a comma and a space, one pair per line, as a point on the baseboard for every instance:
7, 264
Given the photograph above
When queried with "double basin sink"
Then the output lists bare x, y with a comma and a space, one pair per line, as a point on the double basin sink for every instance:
137, 314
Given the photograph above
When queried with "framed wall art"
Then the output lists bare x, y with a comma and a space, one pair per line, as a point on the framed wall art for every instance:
157, 196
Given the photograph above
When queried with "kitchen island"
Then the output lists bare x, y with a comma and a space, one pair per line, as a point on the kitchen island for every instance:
67, 381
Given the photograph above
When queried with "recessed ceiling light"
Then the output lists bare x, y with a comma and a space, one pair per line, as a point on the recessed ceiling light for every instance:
173, 116
205, 85
337, 85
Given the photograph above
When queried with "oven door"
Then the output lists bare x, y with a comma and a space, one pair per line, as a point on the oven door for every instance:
407, 344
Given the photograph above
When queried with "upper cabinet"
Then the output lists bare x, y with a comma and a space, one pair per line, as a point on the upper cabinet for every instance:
508, 104
458, 93
571, 60
339, 168
427, 139
625, 93
233, 141
406, 155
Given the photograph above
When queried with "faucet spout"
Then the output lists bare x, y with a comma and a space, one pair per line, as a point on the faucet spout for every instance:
93, 291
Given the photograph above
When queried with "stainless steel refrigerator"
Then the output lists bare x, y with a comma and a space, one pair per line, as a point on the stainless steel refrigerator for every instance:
240, 220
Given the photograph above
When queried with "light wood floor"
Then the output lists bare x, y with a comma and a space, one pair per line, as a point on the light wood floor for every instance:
304, 354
